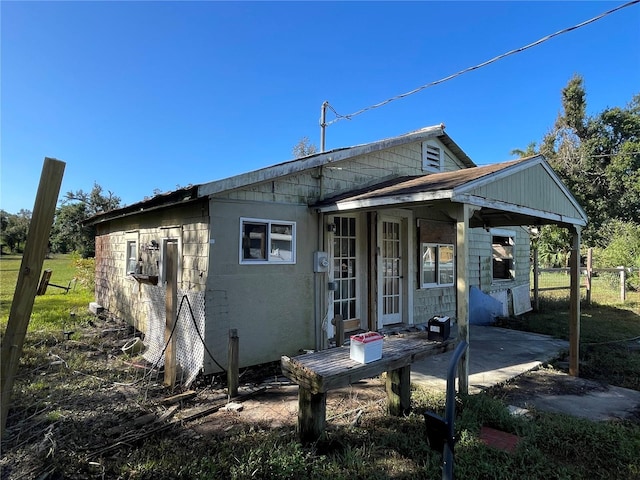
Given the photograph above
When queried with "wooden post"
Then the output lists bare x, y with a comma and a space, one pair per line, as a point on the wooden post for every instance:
26, 286
462, 292
623, 284
398, 387
536, 281
574, 304
338, 322
233, 369
312, 414
589, 275
171, 294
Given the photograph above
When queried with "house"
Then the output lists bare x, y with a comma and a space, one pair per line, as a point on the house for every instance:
385, 234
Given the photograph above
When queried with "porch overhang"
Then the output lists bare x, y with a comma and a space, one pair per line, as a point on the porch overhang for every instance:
500, 194
524, 192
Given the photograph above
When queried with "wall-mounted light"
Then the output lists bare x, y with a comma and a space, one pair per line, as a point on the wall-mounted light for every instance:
331, 228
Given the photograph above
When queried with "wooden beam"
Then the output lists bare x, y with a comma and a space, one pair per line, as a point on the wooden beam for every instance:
398, 386
233, 366
574, 304
27, 284
589, 274
171, 294
536, 281
462, 291
312, 414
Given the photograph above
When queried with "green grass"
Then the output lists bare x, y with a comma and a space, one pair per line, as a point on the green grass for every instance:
56, 310
609, 338
379, 447
605, 289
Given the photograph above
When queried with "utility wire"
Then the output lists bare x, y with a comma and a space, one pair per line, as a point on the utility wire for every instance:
480, 65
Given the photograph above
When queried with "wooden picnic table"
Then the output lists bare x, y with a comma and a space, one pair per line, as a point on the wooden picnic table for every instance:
317, 373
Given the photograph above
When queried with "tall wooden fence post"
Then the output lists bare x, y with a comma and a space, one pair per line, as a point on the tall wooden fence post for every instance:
171, 294
35, 249
536, 281
623, 284
233, 368
589, 274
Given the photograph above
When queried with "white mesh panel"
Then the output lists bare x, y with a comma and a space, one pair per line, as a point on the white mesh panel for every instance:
189, 346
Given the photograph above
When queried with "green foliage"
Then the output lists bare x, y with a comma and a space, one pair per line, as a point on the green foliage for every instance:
69, 233
14, 229
85, 271
598, 158
623, 249
554, 246
52, 310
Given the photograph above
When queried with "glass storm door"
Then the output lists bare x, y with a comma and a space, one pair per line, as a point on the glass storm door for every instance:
390, 287
345, 299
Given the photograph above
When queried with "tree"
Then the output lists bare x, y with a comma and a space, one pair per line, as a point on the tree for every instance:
622, 250
69, 234
598, 158
14, 229
304, 148
528, 152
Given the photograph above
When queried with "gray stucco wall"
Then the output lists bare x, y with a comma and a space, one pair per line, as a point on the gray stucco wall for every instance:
270, 305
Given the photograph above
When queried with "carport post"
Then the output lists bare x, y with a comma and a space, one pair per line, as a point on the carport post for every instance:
462, 292
574, 303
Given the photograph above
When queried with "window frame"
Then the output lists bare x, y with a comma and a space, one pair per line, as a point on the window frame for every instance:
511, 235
162, 265
131, 239
268, 241
437, 246
428, 164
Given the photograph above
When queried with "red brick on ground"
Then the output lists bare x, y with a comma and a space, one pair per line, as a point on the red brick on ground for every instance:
504, 441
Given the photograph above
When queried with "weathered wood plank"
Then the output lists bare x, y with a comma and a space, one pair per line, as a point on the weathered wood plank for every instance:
312, 414
329, 369
27, 283
398, 387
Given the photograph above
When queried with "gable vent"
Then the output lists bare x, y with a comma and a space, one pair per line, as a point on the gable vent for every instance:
431, 157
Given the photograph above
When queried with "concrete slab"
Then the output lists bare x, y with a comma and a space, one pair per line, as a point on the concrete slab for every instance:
495, 356
614, 403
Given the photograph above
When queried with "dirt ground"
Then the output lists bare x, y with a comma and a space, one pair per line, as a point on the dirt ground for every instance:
79, 397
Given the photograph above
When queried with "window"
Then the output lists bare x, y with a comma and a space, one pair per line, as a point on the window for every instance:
132, 256
502, 246
267, 241
437, 265
162, 267
345, 272
431, 157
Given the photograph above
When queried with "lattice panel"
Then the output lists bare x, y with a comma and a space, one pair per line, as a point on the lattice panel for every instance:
189, 346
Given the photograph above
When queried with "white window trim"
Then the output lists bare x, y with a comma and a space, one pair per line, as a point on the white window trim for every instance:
437, 245
499, 232
268, 223
131, 237
427, 164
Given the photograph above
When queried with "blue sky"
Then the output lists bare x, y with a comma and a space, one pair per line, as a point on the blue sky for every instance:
158, 95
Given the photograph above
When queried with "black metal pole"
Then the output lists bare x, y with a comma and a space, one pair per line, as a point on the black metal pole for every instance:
450, 411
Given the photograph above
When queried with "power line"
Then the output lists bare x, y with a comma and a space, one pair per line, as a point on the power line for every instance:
480, 65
